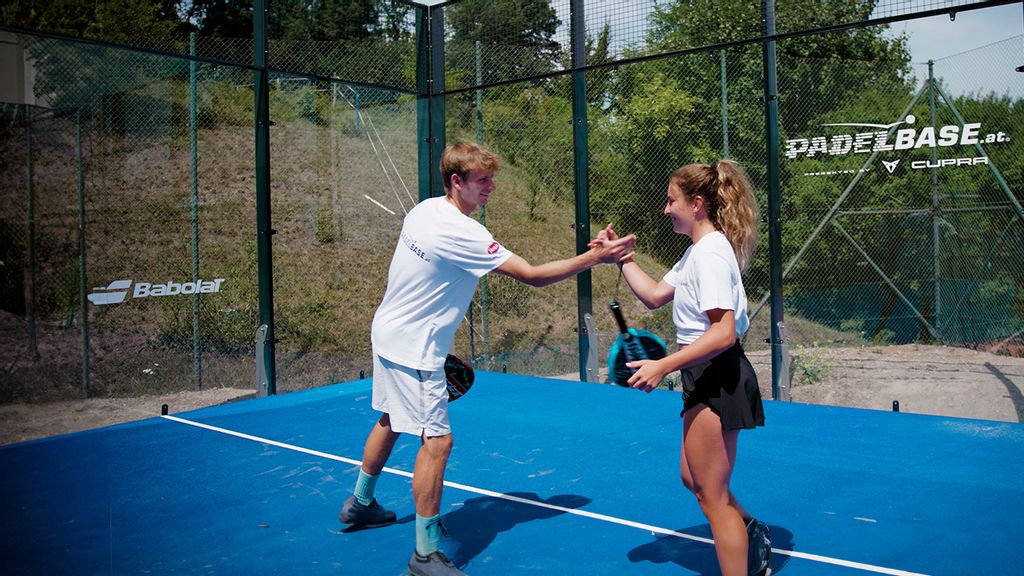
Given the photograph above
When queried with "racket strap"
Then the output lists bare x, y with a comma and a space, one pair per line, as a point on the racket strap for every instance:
617, 282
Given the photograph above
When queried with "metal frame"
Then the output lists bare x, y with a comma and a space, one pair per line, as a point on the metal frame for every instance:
431, 92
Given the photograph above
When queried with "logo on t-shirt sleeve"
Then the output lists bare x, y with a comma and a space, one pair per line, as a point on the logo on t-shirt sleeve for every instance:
493, 248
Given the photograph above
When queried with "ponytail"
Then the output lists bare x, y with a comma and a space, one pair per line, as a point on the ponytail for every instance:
729, 200
737, 211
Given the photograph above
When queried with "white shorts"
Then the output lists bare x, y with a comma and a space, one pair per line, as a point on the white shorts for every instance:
415, 400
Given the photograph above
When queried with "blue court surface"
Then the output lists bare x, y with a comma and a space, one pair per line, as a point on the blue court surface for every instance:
546, 477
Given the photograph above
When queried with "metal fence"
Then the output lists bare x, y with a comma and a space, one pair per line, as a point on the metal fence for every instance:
141, 198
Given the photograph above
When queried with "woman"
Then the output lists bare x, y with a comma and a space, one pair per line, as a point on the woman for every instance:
714, 205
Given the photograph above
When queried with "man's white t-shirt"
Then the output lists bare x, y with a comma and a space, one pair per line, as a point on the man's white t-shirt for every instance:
440, 257
705, 278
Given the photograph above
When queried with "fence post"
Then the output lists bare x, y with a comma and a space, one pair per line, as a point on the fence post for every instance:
197, 355
264, 231
771, 118
725, 104
581, 165
429, 106
936, 211
82, 301
30, 304
484, 319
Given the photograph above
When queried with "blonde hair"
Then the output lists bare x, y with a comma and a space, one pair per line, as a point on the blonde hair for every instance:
729, 200
464, 157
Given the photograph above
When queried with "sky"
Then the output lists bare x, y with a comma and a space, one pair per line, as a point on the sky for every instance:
971, 53
955, 45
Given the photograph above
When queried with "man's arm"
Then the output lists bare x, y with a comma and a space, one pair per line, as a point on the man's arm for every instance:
605, 251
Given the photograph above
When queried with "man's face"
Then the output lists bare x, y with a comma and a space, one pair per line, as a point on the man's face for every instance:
474, 189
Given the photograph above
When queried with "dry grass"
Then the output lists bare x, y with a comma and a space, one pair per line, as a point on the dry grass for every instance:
336, 215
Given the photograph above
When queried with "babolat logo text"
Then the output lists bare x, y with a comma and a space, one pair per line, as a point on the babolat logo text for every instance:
117, 290
884, 139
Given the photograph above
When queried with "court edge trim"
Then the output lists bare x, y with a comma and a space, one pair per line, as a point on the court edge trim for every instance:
577, 512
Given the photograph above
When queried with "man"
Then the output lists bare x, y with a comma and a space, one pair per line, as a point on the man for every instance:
441, 254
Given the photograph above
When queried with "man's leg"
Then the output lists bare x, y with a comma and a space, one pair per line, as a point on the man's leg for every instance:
361, 510
427, 484
376, 452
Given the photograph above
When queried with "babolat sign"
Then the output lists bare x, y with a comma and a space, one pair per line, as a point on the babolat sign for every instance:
118, 290
890, 138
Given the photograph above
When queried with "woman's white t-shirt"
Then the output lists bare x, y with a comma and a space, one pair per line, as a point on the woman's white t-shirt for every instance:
705, 278
439, 259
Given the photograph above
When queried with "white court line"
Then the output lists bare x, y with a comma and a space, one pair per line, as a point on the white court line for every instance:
577, 512
385, 208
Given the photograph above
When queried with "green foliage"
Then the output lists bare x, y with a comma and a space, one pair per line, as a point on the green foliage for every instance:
808, 366
307, 105
225, 103
120, 21
655, 128
516, 36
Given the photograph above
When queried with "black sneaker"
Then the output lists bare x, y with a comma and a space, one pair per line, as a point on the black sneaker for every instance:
759, 556
433, 564
371, 515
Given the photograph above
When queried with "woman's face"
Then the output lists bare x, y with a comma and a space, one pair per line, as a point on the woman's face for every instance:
680, 210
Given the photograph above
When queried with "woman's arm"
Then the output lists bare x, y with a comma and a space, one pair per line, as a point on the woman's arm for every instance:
719, 337
653, 293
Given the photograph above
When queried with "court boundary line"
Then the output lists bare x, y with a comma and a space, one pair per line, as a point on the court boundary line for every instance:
584, 513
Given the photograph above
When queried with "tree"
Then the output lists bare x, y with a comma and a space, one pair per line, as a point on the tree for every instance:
818, 74
516, 38
76, 76
224, 18
118, 21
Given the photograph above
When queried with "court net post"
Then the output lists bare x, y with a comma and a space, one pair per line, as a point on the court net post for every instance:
263, 381
592, 371
783, 379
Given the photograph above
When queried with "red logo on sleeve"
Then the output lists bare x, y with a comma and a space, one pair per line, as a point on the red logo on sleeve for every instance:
493, 248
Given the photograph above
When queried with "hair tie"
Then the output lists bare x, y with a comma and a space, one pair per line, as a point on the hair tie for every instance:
714, 168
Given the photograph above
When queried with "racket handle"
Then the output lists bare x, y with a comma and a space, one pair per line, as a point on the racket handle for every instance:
623, 328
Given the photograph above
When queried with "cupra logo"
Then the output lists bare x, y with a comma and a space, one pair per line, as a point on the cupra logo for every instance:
117, 291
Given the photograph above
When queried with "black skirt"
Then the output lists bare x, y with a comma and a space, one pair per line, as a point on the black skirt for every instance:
728, 385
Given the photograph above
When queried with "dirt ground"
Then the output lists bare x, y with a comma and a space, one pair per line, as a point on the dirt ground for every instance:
936, 380
923, 379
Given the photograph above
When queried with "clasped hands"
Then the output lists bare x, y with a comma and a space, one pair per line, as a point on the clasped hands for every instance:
611, 249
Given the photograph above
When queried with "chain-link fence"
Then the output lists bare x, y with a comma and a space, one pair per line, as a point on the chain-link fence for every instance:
131, 248
902, 205
126, 205
344, 175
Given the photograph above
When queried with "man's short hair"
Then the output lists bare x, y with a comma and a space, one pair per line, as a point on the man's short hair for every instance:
464, 157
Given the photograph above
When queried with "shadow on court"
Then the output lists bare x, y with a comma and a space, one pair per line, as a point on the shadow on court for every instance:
479, 521
699, 557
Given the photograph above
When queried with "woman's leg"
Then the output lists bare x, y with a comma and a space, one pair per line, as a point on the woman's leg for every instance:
708, 457
687, 478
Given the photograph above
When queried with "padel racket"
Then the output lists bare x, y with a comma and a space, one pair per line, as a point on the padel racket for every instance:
459, 376
629, 346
